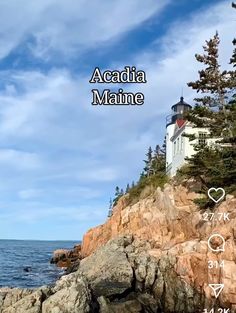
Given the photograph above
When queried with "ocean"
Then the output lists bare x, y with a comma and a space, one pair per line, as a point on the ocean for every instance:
16, 255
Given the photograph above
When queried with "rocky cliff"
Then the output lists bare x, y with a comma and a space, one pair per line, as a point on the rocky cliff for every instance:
151, 256
165, 218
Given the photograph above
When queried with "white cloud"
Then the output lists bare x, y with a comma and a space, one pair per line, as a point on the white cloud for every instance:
69, 26
37, 214
79, 192
54, 110
75, 143
19, 159
39, 96
99, 174
29, 194
82, 192
174, 65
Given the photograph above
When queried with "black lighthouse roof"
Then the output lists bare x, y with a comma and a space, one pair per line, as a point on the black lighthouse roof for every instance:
182, 103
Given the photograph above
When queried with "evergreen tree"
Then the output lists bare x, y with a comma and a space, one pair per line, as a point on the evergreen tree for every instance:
157, 151
117, 191
212, 81
142, 176
148, 162
155, 162
117, 195
233, 59
127, 188
110, 211
214, 166
215, 86
164, 146
133, 184
159, 159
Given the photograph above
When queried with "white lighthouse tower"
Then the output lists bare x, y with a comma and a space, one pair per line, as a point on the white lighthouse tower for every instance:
174, 122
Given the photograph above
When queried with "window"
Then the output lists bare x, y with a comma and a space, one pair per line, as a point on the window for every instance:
182, 143
202, 138
178, 145
175, 148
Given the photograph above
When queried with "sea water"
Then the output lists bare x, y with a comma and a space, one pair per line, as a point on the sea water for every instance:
18, 255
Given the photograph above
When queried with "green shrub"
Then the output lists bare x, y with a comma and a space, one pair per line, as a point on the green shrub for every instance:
154, 181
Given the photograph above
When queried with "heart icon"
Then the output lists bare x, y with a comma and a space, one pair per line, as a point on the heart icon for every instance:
216, 194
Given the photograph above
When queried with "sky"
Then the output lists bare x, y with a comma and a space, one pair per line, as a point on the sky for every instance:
60, 157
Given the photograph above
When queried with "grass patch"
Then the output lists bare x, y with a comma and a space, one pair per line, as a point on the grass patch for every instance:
148, 184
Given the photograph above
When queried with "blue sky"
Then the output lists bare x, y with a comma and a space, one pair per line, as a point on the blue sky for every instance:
61, 157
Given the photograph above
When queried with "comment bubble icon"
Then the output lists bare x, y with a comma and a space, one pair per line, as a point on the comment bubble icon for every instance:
216, 243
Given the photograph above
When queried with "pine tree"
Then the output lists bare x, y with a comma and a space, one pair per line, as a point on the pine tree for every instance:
148, 162
155, 162
212, 81
215, 85
214, 166
117, 195
159, 160
133, 184
233, 59
127, 188
164, 146
229, 151
157, 151
142, 176
117, 191
229, 131
110, 211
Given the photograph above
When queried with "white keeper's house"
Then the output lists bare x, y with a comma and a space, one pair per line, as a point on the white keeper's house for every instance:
178, 147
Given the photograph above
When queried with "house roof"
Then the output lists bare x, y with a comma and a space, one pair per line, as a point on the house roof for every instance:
180, 122
179, 127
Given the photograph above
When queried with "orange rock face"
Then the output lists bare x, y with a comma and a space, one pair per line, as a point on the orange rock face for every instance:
163, 218
66, 258
174, 225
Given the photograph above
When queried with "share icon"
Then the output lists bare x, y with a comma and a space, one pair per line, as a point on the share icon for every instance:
217, 289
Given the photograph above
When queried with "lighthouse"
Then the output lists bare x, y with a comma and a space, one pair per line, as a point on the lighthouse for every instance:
174, 123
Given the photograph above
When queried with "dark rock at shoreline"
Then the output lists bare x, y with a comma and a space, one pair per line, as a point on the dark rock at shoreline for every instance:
149, 257
73, 268
108, 270
27, 269
68, 259
122, 276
